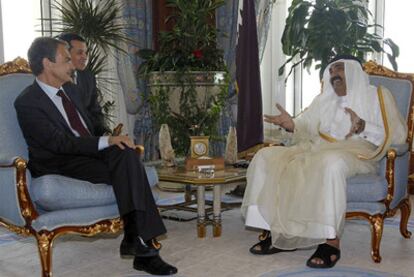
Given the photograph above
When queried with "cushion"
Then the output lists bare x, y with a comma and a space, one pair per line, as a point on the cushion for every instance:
74, 217
56, 192
370, 208
366, 188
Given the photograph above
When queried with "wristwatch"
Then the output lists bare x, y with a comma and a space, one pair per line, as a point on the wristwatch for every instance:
361, 126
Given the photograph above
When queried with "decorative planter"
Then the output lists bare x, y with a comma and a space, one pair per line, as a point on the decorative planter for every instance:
205, 83
190, 103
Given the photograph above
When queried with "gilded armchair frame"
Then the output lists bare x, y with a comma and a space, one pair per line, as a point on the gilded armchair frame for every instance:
28, 211
377, 221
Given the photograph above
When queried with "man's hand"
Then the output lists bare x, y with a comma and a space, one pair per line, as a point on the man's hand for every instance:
357, 123
284, 119
121, 142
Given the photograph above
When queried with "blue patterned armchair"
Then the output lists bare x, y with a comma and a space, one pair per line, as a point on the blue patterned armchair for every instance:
51, 205
375, 197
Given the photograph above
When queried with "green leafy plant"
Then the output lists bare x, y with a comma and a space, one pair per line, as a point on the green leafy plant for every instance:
320, 29
98, 24
190, 46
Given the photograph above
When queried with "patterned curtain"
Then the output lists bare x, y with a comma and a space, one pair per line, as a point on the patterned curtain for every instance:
263, 18
226, 18
138, 15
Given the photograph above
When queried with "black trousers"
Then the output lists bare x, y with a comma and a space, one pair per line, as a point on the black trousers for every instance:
123, 170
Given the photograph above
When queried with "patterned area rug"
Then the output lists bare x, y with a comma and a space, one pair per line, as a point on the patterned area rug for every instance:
7, 237
337, 271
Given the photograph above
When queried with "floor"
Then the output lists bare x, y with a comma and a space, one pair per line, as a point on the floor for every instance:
225, 256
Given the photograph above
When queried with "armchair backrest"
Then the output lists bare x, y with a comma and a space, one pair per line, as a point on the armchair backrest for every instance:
12, 141
401, 86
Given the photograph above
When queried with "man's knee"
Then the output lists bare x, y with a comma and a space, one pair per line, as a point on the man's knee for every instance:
333, 160
115, 151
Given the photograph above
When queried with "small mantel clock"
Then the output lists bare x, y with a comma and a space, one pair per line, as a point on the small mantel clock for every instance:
199, 146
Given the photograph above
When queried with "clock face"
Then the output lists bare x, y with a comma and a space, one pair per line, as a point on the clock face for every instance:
200, 148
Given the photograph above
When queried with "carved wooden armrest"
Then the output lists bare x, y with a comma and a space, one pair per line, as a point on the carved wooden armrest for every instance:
140, 149
117, 130
249, 153
389, 175
27, 208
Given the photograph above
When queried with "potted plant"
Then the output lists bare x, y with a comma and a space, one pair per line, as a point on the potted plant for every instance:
319, 30
187, 77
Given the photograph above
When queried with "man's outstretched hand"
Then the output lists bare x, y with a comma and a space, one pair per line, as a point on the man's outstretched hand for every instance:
284, 119
121, 142
357, 123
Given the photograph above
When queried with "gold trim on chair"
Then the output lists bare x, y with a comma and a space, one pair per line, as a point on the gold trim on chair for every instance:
375, 69
372, 68
18, 65
250, 152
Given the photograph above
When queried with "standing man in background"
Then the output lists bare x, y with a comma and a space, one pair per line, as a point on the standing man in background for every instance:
86, 81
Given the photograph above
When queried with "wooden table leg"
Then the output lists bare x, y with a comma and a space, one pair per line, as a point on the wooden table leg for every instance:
201, 212
187, 193
216, 211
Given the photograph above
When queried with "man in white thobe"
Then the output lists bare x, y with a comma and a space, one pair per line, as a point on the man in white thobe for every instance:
298, 193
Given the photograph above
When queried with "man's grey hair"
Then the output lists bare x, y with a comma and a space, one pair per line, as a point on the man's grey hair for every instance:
43, 47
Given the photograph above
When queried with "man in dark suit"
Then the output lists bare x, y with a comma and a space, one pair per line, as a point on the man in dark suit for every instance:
86, 81
62, 141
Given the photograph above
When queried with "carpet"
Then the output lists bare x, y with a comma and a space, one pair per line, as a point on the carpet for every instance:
229, 201
177, 199
337, 271
7, 237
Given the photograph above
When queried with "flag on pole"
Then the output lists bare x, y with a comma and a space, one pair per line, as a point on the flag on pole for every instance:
249, 106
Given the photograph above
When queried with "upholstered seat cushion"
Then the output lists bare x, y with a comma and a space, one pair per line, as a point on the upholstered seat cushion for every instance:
366, 188
74, 217
55, 192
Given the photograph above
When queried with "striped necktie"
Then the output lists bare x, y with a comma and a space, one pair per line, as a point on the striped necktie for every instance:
73, 116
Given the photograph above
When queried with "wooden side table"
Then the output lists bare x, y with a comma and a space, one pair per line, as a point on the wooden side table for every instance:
201, 181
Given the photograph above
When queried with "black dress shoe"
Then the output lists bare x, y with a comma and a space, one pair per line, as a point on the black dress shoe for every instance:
136, 247
127, 249
154, 265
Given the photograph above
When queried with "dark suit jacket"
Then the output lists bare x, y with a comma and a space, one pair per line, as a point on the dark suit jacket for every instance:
47, 134
86, 83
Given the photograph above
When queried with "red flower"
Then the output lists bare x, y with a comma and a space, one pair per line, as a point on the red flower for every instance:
198, 54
